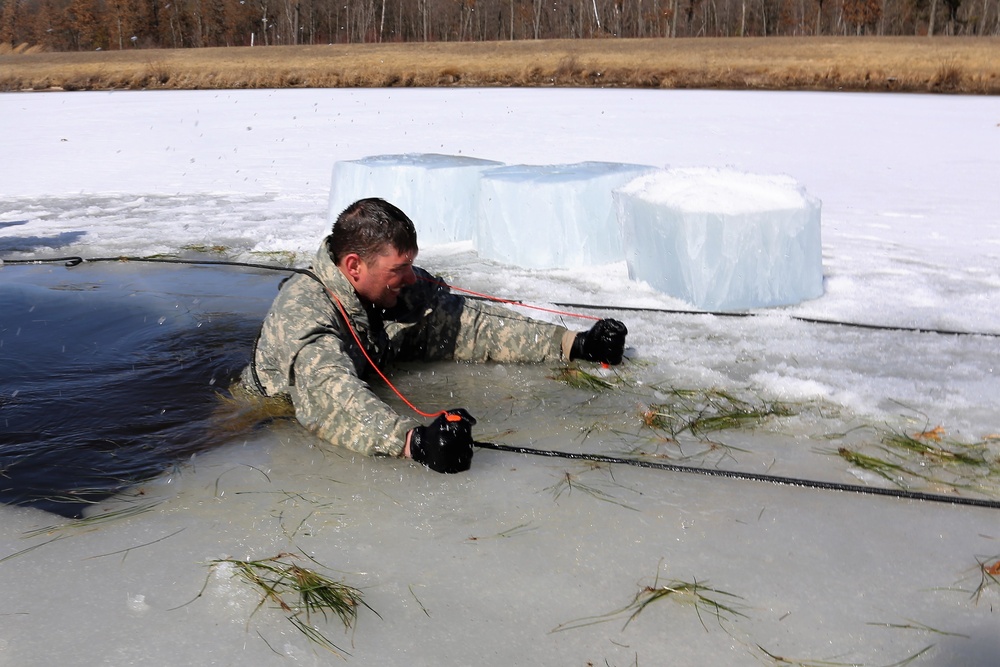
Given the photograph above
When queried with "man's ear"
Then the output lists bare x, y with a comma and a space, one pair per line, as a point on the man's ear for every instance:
350, 264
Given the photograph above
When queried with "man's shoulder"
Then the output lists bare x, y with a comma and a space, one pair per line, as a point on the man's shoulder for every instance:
304, 281
299, 294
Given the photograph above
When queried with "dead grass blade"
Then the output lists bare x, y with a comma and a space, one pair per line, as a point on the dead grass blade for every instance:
921, 627
782, 661
570, 482
95, 520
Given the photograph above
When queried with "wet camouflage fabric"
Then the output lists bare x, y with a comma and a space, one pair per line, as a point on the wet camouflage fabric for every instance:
305, 351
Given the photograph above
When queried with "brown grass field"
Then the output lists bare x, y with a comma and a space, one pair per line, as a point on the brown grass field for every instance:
963, 65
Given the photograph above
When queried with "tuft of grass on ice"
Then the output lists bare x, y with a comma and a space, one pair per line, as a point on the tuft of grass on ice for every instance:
579, 378
930, 456
934, 449
701, 412
703, 599
206, 249
989, 576
892, 472
299, 592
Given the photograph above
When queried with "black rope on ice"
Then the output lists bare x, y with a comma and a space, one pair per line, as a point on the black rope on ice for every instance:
74, 261
756, 477
799, 318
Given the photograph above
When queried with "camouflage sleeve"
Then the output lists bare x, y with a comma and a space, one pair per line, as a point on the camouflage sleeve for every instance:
492, 333
334, 403
442, 325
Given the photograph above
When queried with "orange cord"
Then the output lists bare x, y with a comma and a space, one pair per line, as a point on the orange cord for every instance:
509, 301
371, 362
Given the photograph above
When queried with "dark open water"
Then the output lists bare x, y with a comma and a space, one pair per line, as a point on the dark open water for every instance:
110, 372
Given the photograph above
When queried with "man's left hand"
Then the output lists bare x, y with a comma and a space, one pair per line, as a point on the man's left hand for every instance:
445, 445
605, 343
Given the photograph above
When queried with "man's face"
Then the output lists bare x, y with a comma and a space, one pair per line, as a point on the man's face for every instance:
381, 280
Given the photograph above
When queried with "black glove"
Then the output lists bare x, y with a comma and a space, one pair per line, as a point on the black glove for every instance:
605, 342
444, 445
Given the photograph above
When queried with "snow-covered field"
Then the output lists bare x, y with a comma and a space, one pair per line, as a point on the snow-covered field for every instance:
489, 567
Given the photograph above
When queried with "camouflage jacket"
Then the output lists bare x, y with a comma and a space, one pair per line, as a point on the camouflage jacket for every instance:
306, 352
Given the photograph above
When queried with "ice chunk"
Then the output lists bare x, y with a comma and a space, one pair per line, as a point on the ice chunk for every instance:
554, 216
722, 239
437, 192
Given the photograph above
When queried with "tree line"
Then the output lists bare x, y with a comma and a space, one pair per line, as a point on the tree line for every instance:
75, 25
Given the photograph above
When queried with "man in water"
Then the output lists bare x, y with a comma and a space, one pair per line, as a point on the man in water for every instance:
366, 304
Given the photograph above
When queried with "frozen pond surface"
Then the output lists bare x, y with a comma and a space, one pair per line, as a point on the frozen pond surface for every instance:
482, 567
498, 566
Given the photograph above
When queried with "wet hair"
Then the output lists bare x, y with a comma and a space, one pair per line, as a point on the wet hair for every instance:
367, 226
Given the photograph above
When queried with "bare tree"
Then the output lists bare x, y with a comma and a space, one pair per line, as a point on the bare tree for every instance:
11, 16
862, 14
124, 15
82, 18
952, 6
